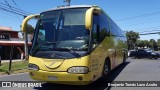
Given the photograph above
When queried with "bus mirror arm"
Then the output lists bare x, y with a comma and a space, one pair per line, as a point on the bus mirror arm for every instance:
25, 21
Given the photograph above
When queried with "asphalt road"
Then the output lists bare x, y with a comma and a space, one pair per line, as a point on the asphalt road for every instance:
132, 70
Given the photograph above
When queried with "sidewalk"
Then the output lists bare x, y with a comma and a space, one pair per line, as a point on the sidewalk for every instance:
14, 60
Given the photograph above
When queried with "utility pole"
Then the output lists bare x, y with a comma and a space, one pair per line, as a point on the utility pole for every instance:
26, 43
68, 2
0, 56
11, 57
0, 61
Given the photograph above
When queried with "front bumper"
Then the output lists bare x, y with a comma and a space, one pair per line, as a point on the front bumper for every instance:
61, 77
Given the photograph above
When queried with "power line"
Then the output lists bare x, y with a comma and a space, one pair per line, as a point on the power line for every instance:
139, 23
151, 29
8, 4
147, 28
10, 11
17, 10
6, 15
146, 31
139, 16
150, 33
142, 20
14, 3
142, 23
18, 6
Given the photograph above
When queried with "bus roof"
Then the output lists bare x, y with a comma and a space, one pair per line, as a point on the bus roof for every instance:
70, 7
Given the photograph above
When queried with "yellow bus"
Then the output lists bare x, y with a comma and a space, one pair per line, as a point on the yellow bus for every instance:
75, 45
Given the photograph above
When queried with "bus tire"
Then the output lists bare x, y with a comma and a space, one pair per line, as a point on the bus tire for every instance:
106, 68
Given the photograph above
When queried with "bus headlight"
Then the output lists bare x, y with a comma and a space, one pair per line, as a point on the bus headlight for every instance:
78, 70
32, 67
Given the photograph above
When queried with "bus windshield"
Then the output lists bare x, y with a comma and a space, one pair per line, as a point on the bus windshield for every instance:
61, 30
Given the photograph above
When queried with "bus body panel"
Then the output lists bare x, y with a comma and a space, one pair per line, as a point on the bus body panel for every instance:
61, 72
112, 47
98, 57
83, 61
61, 77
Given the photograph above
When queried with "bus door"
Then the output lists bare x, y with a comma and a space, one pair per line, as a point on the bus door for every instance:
96, 54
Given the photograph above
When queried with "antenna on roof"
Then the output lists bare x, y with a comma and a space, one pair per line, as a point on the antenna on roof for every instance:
68, 2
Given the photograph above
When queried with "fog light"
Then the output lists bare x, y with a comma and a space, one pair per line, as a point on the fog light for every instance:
80, 78
32, 67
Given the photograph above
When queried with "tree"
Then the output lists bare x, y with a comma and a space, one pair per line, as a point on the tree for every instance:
132, 38
146, 42
158, 42
154, 44
140, 43
30, 29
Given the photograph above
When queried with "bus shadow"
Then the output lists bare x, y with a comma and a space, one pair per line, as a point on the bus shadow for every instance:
101, 84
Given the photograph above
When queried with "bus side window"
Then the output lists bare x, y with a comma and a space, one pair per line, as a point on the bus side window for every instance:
95, 32
41, 35
95, 36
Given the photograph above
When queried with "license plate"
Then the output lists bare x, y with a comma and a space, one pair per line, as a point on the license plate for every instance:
52, 78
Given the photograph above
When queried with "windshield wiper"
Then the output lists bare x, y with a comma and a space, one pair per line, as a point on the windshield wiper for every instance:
71, 51
39, 46
48, 43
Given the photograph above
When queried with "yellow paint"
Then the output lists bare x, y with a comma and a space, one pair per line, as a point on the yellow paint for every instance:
52, 64
95, 61
61, 71
62, 77
25, 21
83, 61
89, 17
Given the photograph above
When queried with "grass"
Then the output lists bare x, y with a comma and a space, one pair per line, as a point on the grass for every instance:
16, 67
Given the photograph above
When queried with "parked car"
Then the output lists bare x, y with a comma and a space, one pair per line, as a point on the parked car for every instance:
131, 53
144, 53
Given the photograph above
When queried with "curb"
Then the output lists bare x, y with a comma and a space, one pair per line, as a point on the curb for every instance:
3, 61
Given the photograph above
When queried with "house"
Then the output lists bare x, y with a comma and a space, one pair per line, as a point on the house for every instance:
10, 38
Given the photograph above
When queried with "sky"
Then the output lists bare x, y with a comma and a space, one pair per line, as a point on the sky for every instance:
141, 16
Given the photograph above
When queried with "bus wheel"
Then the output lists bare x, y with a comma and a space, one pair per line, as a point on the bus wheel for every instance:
106, 68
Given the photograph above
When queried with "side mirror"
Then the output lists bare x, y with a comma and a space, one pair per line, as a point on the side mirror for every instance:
89, 17
25, 21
